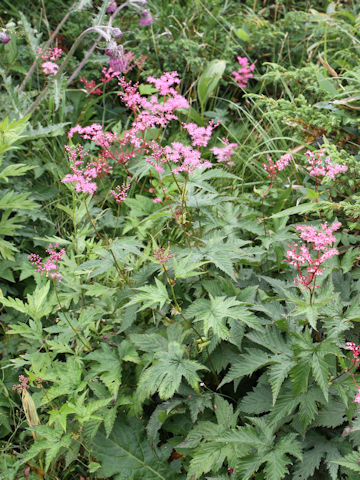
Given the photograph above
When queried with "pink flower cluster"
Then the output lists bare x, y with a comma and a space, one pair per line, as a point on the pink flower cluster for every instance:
52, 55
200, 135
356, 362
83, 176
243, 75
274, 167
224, 154
50, 266
301, 257
165, 82
356, 352
23, 385
321, 166
161, 256
90, 87
149, 112
189, 158
121, 194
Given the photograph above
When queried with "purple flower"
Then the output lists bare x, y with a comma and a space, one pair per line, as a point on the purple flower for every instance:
4, 37
111, 8
118, 64
145, 19
117, 33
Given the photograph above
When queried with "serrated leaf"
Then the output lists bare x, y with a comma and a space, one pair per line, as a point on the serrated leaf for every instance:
166, 373
246, 365
151, 296
321, 372
278, 372
350, 461
127, 454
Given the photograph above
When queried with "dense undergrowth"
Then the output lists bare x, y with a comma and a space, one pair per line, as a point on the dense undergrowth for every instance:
179, 240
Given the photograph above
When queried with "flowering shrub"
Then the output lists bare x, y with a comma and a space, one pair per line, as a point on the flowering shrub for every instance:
178, 343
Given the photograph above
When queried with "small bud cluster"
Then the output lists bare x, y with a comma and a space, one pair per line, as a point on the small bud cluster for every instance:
23, 385
50, 267
121, 194
274, 167
161, 256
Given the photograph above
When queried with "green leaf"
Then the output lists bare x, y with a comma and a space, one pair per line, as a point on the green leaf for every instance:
246, 365
186, 267
17, 201
108, 366
278, 372
240, 33
351, 461
151, 296
167, 371
299, 375
15, 170
209, 80
321, 372
303, 208
349, 258
128, 455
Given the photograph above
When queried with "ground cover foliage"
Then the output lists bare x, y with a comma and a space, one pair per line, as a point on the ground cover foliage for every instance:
179, 258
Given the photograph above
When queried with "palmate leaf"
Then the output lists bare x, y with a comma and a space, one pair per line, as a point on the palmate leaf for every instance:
107, 365
208, 457
247, 364
350, 461
17, 201
167, 371
126, 454
278, 459
151, 296
213, 314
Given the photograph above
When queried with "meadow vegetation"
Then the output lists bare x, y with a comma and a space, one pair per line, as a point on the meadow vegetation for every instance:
180, 211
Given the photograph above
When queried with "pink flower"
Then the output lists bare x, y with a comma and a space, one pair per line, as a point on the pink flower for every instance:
52, 54
50, 266
200, 135
243, 75
23, 385
163, 256
301, 257
357, 398
121, 194
323, 167
225, 153
50, 68
112, 7
164, 83
90, 87
4, 37
273, 167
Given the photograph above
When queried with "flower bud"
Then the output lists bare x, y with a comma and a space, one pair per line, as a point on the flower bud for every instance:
111, 8
145, 19
117, 33
4, 37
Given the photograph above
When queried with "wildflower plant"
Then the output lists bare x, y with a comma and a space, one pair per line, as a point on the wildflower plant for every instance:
178, 343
